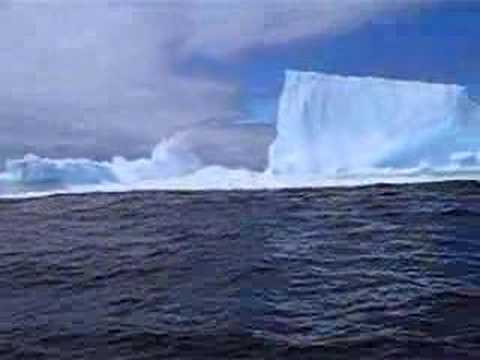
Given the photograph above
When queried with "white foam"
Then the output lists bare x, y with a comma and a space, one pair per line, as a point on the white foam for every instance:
223, 179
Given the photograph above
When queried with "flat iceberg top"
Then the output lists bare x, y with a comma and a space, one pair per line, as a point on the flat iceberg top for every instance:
328, 123
294, 76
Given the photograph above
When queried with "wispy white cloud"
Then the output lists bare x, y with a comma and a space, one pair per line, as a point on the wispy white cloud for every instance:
220, 28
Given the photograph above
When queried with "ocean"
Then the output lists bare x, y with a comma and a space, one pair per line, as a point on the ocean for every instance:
370, 272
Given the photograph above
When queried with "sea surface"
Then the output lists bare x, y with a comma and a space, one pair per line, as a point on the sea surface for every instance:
376, 272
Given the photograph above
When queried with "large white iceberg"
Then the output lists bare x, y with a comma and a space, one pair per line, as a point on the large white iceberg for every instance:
329, 123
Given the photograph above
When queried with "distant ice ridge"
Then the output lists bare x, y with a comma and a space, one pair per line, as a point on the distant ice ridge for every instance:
329, 124
168, 159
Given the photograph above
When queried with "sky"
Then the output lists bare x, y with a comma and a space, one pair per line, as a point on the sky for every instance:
82, 78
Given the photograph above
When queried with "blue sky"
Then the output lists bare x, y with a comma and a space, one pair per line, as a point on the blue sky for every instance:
83, 79
435, 43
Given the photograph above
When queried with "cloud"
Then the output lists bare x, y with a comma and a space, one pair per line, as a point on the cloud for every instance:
99, 78
227, 27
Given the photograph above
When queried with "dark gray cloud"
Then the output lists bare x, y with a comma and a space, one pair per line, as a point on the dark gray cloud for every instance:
85, 78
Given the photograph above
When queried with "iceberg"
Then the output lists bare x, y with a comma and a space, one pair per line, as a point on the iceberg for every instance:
329, 124
170, 158
32, 169
331, 131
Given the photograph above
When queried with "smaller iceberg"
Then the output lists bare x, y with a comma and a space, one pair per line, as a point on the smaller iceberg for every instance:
33, 169
170, 158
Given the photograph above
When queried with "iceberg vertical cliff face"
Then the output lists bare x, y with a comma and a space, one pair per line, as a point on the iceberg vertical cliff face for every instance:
328, 123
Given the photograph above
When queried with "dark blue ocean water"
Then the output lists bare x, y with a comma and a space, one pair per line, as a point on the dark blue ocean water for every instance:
380, 272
